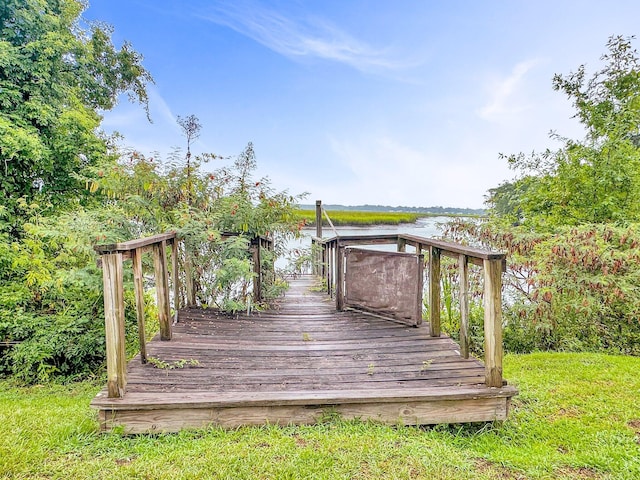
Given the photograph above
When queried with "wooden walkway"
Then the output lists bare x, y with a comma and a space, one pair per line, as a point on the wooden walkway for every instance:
296, 363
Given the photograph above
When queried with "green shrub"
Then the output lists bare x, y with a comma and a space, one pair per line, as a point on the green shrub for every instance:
573, 290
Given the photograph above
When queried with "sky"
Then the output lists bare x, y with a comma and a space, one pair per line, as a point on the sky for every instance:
362, 101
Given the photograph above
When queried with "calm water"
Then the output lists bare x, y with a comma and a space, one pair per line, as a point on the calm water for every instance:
424, 227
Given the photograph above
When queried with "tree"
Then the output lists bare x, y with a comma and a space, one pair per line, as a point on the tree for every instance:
596, 179
55, 77
569, 221
191, 127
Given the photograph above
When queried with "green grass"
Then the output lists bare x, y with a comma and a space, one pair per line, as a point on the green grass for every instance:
347, 217
577, 417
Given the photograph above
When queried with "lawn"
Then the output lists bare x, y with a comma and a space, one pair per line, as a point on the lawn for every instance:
577, 417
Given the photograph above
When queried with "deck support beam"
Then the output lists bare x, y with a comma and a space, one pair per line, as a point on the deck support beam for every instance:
114, 324
189, 283
162, 288
434, 290
463, 279
493, 322
175, 279
339, 278
257, 272
138, 287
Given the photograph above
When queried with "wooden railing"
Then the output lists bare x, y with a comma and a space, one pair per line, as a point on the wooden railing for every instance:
112, 260
112, 257
329, 260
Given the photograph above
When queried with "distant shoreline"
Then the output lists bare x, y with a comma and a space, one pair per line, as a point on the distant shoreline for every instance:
427, 211
355, 218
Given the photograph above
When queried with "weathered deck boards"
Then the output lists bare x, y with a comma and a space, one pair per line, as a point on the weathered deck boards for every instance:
291, 364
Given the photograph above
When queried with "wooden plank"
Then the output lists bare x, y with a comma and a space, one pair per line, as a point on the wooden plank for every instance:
322, 366
189, 283
319, 218
114, 324
409, 413
257, 273
358, 240
322, 253
434, 291
138, 288
339, 278
162, 289
199, 377
203, 399
420, 289
175, 278
463, 280
493, 322
348, 361
453, 248
134, 244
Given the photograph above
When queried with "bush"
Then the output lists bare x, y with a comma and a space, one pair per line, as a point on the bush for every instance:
574, 289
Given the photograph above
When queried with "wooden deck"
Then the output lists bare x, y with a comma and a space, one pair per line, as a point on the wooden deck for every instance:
295, 364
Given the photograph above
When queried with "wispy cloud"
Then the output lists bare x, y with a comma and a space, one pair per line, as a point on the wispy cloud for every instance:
300, 37
506, 97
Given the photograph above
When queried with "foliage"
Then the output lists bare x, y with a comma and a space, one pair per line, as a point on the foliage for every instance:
51, 295
597, 179
217, 214
569, 223
54, 76
66, 187
576, 416
575, 289
51, 289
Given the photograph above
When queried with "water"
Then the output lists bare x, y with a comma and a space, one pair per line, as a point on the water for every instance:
423, 227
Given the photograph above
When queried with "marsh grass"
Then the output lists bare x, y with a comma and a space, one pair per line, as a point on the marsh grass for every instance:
577, 417
347, 217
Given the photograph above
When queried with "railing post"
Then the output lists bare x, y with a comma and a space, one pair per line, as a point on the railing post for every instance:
463, 273
331, 261
138, 288
493, 322
323, 260
314, 257
114, 324
420, 289
402, 245
257, 272
162, 288
434, 291
319, 218
175, 277
339, 277
188, 279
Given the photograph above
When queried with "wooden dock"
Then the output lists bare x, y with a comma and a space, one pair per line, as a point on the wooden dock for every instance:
296, 364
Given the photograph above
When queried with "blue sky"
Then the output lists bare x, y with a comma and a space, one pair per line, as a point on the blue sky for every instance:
380, 102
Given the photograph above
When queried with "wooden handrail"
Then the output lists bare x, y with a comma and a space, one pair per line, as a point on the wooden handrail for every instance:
134, 244
112, 257
112, 260
329, 257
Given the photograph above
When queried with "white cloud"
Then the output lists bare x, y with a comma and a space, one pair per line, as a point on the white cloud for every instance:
382, 170
507, 95
301, 37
